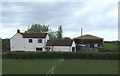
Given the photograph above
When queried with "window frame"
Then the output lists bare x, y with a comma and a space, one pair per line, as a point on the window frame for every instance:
39, 40
30, 41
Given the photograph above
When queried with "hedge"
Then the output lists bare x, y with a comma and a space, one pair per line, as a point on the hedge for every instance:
66, 55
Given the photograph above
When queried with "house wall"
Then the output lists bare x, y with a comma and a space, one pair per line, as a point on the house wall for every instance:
17, 43
32, 46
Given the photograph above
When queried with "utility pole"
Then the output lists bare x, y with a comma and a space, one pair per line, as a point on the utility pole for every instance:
81, 37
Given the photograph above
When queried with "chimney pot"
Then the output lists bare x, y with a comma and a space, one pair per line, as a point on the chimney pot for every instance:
18, 31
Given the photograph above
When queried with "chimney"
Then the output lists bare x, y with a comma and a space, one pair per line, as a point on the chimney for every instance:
18, 31
25, 31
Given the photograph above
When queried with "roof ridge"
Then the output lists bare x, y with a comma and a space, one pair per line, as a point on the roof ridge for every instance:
89, 35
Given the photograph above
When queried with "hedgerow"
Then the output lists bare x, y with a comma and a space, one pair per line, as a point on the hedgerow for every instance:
66, 55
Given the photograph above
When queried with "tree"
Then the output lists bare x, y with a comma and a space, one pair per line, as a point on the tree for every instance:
45, 29
5, 45
52, 35
59, 32
38, 28
67, 38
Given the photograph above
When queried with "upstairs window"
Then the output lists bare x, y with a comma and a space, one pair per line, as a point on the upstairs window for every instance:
30, 41
39, 40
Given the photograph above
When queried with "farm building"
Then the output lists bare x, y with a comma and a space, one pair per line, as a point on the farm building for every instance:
39, 42
61, 45
90, 42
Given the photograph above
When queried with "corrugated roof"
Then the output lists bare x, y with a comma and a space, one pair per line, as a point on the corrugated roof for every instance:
34, 35
59, 42
87, 36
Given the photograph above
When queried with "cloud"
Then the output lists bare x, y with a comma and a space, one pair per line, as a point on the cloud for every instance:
94, 16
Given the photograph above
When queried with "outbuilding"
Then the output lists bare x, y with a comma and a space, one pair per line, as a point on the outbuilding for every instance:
61, 45
89, 41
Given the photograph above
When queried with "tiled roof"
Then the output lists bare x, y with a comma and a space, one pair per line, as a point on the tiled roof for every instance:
34, 35
59, 42
87, 36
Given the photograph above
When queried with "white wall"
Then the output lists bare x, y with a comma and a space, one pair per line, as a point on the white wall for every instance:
47, 38
73, 45
17, 43
60, 48
32, 46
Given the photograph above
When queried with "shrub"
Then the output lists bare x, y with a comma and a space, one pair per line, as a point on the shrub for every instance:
67, 55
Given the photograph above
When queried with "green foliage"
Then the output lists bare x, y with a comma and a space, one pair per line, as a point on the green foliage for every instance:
5, 45
52, 35
38, 28
67, 55
0, 44
67, 38
45, 29
110, 47
59, 33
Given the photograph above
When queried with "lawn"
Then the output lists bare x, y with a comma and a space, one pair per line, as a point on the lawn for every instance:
68, 66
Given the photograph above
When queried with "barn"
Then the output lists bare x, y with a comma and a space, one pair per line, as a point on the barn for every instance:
89, 42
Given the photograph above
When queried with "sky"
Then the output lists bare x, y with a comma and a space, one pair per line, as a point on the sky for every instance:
97, 17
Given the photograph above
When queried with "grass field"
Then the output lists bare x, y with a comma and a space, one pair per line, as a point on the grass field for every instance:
68, 66
110, 46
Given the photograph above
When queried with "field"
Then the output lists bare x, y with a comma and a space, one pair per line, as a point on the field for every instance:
68, 66
110, 46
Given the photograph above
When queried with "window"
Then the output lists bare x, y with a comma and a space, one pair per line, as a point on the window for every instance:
30, 40
38, 49
39, 40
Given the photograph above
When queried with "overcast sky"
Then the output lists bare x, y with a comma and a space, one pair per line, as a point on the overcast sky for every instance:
98, 17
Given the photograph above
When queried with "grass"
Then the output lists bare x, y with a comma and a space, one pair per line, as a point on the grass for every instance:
78, 66
27, 66
111, 46
68, 66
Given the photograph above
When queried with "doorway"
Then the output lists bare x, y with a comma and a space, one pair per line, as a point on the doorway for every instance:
73, 48
38, 49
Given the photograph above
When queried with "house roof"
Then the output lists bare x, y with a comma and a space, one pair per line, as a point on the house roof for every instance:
34, 35
59, 43
87, 36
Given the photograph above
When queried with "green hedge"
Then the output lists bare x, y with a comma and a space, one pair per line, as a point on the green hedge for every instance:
67, 55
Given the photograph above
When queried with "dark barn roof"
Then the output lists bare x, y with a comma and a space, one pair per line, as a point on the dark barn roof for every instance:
59, 42
34, 35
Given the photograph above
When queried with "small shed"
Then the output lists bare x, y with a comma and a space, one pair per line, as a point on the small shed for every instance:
93, 42
60, 45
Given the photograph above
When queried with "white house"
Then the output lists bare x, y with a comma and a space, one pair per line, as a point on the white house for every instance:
28, 41
61, 45
39, 42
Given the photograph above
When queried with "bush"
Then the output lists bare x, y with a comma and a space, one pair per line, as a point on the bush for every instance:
5, 45
66, 55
